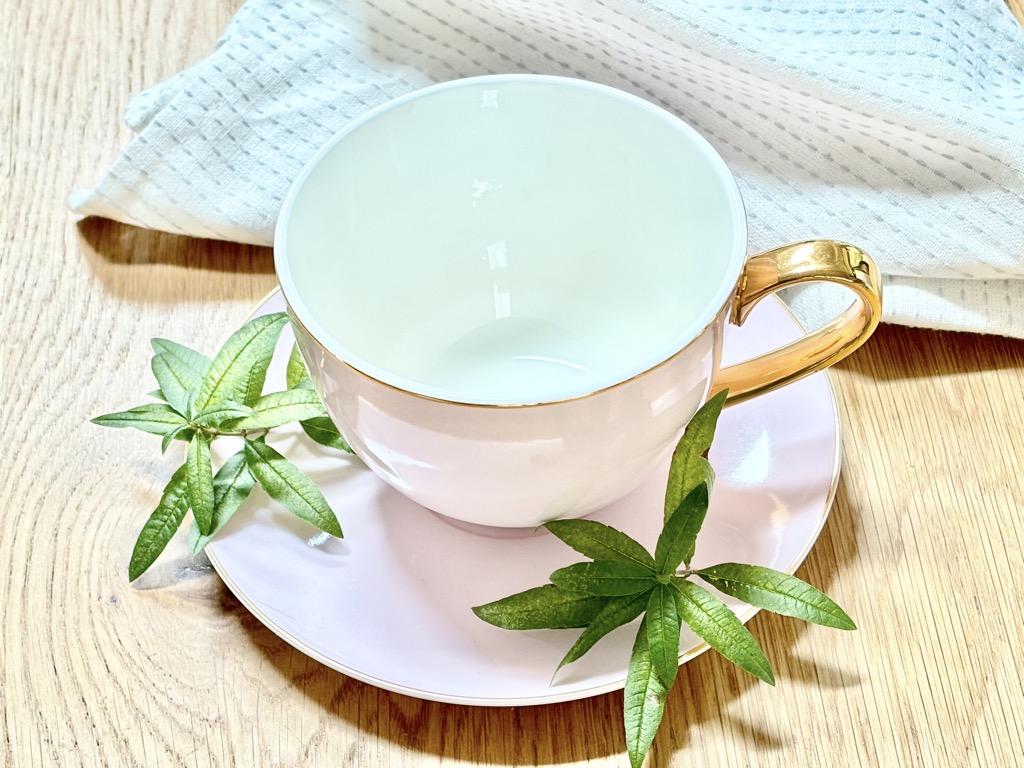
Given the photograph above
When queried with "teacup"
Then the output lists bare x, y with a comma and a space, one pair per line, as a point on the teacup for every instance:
510, 292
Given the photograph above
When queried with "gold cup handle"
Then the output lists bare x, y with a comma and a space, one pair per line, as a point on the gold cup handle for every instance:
767, 273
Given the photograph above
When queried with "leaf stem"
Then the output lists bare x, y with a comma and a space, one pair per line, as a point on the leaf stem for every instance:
248, 434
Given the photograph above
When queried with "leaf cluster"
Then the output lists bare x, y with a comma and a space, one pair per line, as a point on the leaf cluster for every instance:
202, 399
623, 581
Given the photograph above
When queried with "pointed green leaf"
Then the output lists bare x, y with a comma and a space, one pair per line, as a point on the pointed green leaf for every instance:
322, 430
200, 480
689, 467
285, 484
186, 357
546, 607
605, 577
238, 371
220, 413
643, 700
255, 377
174, 380
158, 395
277, 408
599, 541
184, 432
663, 623
162, 524
191, 365
231, 486
196, 540
777, 592
190, 405
713, 622
154, 418
296, 375
678, 538
616, 612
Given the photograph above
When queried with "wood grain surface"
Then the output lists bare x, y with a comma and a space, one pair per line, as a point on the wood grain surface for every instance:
923, 547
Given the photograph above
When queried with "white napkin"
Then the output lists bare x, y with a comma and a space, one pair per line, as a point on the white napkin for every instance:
900, 129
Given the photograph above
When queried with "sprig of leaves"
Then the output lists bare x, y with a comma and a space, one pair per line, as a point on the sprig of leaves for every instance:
202, 400
622, 581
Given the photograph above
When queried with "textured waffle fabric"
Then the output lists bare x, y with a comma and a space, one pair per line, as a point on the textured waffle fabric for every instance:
900, 129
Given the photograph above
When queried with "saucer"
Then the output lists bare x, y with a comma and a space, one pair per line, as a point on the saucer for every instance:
390, 603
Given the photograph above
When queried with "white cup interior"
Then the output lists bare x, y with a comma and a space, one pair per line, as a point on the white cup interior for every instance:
511, 239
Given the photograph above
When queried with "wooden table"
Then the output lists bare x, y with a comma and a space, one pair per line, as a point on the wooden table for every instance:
923, 547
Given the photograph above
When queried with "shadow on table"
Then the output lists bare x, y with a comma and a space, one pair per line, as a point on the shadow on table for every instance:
126, 260
896, 353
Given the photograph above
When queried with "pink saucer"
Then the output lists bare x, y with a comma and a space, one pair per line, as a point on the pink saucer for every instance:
390, 603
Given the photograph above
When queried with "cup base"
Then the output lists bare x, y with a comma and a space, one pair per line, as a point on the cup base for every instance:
489, 531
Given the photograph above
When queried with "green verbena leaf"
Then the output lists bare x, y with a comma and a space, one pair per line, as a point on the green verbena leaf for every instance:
200, 481
296, 375
713, 622
183, 367
231, 486
173, 386
220, 413
186, 359
190, 405
546, 607
238, 372
322, 430
162, 524
616, 612
777, 592
663, 622
644, 699
277, 408
196, 540
184, 432
689, 467
605, 577
678, 538
154, 418
599, 541
255, 378
285, 484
